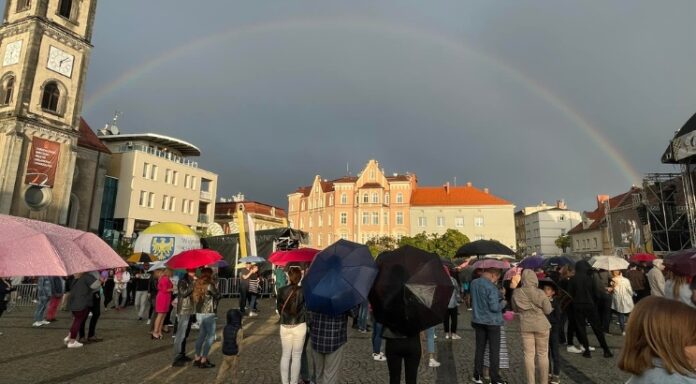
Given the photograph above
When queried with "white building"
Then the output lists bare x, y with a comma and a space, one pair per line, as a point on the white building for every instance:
545, 226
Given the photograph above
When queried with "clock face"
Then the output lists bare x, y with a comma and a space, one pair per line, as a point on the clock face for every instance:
59, 61
12, 52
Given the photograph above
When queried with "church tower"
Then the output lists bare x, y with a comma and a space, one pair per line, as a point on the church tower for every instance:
45, 47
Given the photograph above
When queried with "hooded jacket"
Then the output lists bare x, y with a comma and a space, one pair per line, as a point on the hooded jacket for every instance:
582, 287
229, 333
184, 304
532, 304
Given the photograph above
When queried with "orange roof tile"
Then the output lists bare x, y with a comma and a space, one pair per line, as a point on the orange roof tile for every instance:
425, 196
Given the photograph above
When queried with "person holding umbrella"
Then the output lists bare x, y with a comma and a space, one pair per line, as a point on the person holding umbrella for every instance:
488, 304
656, 278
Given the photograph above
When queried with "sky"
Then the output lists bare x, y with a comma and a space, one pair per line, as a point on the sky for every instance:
536, 100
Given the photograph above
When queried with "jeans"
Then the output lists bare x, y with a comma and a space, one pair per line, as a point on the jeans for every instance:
451, 320
41, 306
535, 346
487, 334
182, 331
121, 298
407, 350
292, 342
588, 312
377, 337
243, 293
554, 353
430, 339
252, 301
206, 334
362, 316
622, 321
141, 303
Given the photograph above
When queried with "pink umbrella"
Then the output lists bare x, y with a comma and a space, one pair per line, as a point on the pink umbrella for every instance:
34, 248
491, 263
512, 272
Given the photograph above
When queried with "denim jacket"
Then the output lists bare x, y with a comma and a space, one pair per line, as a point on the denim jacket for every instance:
487, 302
658, 374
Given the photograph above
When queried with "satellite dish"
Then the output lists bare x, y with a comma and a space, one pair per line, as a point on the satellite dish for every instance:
215, 229
113, 129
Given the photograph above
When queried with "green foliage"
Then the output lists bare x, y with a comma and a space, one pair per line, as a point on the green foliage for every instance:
124, 248
445, 245
380, 244
563, 242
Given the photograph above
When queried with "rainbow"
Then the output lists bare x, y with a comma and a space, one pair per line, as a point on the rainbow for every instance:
455, 47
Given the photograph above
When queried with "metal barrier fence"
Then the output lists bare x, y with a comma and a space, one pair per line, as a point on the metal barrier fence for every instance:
23, 296
229, 287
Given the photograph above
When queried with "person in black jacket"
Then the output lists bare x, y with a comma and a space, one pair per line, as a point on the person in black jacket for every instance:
585, 294
293, 326
232, 336
550, 288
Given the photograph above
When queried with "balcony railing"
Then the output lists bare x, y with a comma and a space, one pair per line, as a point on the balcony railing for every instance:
156, 152
203, 218
205, 195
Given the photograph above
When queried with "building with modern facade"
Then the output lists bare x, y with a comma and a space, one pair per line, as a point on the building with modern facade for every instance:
542, 228
236, 211
520, 219
158, 182
45, 47
475, 212
355, 208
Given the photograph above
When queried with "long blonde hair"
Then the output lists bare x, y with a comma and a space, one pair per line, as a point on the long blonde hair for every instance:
201, 286
661, 328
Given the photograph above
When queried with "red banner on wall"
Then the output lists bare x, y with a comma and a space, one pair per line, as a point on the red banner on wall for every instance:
43, 162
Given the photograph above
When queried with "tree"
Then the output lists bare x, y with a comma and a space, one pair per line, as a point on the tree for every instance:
124, 247
445, 245
380, 244
421, 240
563, 242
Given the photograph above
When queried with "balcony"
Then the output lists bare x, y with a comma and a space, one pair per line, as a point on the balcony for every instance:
203, 218
156, 152
205, 195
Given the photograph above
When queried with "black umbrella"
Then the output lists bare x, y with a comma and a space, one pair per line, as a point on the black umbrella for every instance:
484, 247
411, 291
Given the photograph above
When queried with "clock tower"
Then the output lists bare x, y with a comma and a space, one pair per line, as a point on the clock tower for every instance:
45, 47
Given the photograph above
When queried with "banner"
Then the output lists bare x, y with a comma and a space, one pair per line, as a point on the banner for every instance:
43, 162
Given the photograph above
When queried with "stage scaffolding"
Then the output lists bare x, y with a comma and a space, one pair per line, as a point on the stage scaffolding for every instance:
668, 209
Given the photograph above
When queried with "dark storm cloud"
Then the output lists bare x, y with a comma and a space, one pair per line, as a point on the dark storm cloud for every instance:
305, 88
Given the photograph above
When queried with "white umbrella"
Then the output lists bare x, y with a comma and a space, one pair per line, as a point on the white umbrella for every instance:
609, 263
157, 265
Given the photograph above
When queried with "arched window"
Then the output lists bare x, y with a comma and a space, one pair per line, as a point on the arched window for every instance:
65, 8
51, 96
8, 86
366, 198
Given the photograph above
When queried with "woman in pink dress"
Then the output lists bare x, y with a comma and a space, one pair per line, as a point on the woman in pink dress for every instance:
163, 301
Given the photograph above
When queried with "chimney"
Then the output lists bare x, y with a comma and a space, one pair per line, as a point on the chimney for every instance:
560, 204
468, 184
485, 190
601, 199
447, 187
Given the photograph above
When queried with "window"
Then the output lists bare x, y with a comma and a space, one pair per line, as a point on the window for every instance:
440, 221
399, 198
143, 199
153, 172
168, 176
375, 218
330, 220
310, 222
193, 182
302, 206
165, 202
172, 204
479, 237
191, 207
459, 222
422, 221
577, 244
331, 200
344, 236
365, 218
399, 218
319, 239
146, 170
51, 95
386, 198
595, 242
8, 90
344, 218
176, 178
344, 199
366, 198
23, 5
478, 221
386, 219
65, 8
184, 208
321, 221
375, 198
151, 200
187, 181
562, 218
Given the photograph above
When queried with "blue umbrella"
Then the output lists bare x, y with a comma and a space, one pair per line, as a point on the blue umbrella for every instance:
532, 262
252, 259
558, 261
222, 264
339, 278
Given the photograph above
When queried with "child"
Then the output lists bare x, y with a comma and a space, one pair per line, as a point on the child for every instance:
231, 346
554, 318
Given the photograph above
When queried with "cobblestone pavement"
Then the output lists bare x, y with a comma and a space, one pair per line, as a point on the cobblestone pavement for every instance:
127, 355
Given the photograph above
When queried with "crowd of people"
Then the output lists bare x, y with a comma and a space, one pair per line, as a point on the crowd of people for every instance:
655, 310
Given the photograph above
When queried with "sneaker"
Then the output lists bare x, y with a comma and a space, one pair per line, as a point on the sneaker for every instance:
456, 337
432, 363
447, 336
554, 379
574, 349
149, 321
379, 357
362, 330
75, 344
592, 349
623, 333
37, 324
66, 339
195, 326
45, 322
253, 314
477, 379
